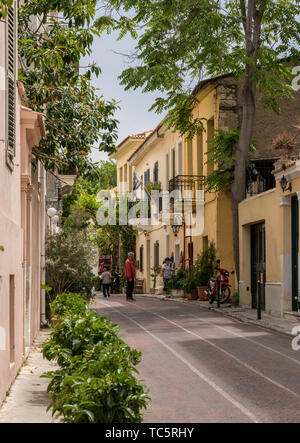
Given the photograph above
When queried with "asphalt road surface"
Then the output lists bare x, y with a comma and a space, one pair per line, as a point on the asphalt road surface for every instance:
203, 367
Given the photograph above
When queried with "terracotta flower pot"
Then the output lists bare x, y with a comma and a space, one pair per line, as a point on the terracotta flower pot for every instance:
193, 295
201, 293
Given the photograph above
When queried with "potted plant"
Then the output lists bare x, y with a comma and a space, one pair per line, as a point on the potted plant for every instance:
174, 283
205, 266
189, 284
285, 144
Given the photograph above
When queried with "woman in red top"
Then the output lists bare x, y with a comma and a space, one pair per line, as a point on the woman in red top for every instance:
130, 276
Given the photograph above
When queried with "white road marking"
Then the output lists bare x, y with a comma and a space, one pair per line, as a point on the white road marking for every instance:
256, 371
211, 383
247, 338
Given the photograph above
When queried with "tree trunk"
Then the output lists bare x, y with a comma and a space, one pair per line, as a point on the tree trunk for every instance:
238, 188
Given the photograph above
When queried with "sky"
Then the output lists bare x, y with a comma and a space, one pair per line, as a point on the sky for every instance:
133, 115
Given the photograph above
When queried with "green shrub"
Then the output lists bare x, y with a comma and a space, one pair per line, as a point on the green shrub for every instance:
175, 280
189, 283
74, 333
205, 265
100, 387
68, 303
96, 382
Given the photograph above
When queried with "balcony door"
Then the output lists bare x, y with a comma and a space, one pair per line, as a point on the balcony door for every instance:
173, 165
180, 158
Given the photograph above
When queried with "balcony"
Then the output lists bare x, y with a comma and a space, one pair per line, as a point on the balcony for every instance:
260, 177
187, 183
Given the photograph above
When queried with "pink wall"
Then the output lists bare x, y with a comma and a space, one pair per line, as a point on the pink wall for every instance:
11, 237
20, 235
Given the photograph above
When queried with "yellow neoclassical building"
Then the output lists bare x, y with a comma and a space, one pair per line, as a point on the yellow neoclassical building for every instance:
175, 163
267, 238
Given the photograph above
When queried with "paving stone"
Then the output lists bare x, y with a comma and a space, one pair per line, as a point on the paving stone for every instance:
28, 399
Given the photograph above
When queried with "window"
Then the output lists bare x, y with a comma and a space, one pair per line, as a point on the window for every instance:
173, 163
177, 254
155, 172
142, 259
11, 86
191, 253
210, 136
180, 158
167, 170
200, 154
190, 159
167, 245
147, 177
156, 254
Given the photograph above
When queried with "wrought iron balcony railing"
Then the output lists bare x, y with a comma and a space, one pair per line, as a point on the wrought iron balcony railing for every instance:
187, 183
260, 177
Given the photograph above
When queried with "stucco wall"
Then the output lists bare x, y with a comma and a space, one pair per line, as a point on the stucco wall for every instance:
264, 207
11, 238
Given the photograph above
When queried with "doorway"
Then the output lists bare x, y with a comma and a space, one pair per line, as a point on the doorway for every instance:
258, 262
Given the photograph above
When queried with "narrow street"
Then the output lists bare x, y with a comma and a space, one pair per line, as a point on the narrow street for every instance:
203, 367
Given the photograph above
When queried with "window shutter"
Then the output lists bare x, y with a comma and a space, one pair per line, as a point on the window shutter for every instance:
11, 85
155, 172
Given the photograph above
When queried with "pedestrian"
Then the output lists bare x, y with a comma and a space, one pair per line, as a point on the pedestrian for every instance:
106, 280
130, 276
102, 264
166, 273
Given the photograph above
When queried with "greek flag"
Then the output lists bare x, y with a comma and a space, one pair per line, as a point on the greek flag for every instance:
136, 182
136, 185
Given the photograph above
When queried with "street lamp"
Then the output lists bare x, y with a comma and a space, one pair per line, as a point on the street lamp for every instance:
175, 229
54, 218
283, 184
51, 212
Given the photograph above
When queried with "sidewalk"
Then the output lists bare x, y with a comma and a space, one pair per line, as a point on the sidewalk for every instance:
244, 314
28, 399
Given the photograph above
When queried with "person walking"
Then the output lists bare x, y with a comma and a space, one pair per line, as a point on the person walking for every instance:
130, 276
106, 279
166, 273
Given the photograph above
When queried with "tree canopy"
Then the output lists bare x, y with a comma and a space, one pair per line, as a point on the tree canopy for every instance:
53, 38
180, 43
